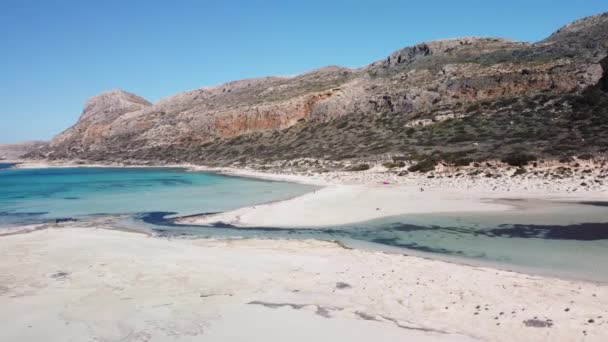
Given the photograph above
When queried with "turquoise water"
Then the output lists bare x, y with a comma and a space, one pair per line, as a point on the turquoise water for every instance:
72, 192
6, 165
565, 239
504, 240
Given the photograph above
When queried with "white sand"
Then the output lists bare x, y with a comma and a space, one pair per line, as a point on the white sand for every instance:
340, 204
343, 203
349, 197
120, 286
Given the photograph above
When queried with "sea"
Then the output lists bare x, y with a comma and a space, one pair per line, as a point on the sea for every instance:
564, 239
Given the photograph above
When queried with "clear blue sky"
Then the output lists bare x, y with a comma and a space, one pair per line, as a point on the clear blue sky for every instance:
55, 54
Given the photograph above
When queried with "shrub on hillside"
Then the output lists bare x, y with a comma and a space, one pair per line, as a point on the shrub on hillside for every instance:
472, 108
391, 165
519, 171
463, 161
425, 165
359, 167
518, 159
461, 138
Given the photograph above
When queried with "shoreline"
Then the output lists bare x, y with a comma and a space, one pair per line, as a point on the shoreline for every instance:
335, 205
442, 193
319, 208
131, 285
110, 223
474, 263
227, 171
345, 200
125, 284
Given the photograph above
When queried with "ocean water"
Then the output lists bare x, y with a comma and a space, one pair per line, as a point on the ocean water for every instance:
6, 165
563, 239
39, 194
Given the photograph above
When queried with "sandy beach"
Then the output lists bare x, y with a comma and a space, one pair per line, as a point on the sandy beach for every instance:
343, 204
349, 197
73, 283
126, 286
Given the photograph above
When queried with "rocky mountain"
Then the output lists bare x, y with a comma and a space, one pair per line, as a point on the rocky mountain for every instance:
16, 151
466, 98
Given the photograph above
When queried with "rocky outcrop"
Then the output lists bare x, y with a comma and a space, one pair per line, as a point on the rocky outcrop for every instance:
414, 82
18, 150
585, 37
98, 115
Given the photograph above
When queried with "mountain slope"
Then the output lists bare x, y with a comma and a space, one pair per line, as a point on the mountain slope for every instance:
500, 96
17, 150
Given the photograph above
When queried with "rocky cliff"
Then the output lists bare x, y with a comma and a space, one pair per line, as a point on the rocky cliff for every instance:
496, 93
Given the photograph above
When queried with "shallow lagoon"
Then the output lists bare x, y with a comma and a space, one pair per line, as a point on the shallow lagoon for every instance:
508, 240
565, 239
71, 192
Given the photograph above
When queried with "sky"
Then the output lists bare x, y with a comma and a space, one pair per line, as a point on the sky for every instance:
57, 53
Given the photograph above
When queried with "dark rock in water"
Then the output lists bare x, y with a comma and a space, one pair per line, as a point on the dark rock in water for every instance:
582, 232
157, 217
67, 219
222, 225
596, 203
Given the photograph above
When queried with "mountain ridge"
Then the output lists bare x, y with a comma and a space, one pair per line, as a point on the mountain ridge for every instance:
412, 83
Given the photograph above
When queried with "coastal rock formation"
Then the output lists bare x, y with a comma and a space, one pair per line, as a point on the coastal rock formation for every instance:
337, 113
16, 151
97, 117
